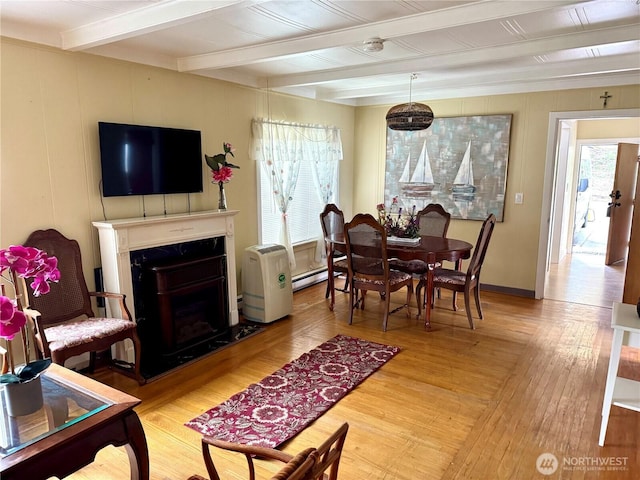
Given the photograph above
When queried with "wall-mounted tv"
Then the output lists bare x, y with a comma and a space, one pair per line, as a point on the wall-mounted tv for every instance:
146, 160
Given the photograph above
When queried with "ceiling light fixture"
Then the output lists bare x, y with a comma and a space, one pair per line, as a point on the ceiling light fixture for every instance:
410, 116
374, 44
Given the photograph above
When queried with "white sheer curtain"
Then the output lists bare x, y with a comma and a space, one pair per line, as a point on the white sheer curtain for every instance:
280, 147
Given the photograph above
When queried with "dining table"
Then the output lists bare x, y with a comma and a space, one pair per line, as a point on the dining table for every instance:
429, 249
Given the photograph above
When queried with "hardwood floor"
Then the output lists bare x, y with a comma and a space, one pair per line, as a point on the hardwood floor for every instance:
454, 404
584, 278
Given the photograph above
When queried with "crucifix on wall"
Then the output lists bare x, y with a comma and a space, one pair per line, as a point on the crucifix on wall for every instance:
606, 97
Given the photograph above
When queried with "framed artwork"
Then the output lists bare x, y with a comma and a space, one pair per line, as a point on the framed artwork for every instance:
459, 162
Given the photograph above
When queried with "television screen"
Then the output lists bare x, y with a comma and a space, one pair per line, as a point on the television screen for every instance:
145, 160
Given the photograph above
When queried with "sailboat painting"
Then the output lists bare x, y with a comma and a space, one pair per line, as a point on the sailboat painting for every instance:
463, 183
459, 162
421, 181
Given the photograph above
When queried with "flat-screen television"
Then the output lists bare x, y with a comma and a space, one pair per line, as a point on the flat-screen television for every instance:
146, 160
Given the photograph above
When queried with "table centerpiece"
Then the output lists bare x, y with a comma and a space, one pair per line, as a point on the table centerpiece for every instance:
402, 228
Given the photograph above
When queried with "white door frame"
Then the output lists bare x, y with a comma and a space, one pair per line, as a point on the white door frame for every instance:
544, 242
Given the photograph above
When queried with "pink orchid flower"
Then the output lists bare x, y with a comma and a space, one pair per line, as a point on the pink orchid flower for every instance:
29, 262
11, 320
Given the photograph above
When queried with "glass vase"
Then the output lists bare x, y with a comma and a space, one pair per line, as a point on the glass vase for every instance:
222, 199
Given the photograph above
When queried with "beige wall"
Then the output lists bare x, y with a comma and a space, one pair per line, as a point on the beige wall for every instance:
50, 167
607, 129
512, 256
50, 171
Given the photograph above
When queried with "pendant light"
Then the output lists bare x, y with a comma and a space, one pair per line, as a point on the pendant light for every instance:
410, 116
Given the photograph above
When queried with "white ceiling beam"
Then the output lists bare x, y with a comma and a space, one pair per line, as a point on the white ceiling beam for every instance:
484, 77
607, 80
592, 38
142, 21
399, 27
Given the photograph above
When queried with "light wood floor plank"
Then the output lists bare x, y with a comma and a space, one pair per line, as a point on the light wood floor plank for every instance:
453, 404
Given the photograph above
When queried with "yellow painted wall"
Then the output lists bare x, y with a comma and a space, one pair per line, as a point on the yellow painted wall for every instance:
50, 166
512, 256
52, 102
606, 129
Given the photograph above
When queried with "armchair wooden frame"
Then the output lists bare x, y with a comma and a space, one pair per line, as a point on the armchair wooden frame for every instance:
309, 464
66, 325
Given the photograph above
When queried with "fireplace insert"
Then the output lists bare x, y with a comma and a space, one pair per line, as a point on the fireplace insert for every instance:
181, 302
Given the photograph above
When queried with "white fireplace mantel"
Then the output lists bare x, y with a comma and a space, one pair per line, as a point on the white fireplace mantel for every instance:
120, 237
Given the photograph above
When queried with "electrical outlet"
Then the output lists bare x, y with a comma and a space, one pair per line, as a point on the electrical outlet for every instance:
518, 198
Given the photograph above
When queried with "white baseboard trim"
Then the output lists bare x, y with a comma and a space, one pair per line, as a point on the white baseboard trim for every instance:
310, 278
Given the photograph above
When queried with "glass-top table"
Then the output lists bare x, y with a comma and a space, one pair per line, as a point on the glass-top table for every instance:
63, 406
78, 417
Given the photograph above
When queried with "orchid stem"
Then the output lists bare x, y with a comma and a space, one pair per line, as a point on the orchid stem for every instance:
24, 330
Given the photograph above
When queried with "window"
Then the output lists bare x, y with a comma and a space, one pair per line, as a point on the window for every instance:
298, 175
304, 209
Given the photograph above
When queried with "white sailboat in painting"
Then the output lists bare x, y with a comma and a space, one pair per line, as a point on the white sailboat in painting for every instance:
463, 183
421, 181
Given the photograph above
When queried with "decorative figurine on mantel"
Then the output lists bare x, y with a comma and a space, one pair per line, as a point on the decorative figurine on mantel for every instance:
221, 171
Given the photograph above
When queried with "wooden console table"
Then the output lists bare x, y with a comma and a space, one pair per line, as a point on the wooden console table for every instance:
80, 417
619, 391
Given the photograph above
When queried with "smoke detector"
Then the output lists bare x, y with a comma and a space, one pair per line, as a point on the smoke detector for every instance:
374, 44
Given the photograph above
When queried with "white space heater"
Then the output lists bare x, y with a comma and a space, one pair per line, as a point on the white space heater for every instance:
267, 293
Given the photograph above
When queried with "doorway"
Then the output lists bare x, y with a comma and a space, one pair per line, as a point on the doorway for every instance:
597, 165
573, 274
581, 276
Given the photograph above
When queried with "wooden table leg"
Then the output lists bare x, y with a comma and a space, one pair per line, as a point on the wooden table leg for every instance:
137, 448
428, 296
330, 281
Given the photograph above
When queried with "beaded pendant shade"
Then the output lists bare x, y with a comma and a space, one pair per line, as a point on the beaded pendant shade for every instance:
410, 116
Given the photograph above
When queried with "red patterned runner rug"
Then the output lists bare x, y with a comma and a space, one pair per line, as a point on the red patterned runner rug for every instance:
278, 407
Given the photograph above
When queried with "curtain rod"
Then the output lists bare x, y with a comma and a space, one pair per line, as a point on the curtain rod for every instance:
293, 124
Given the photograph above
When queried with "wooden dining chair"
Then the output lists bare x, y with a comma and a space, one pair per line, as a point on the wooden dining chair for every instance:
310, 464
459, 281
369, 267
433, 220
332, 221
66, 325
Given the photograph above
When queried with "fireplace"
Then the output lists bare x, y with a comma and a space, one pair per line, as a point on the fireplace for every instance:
187, 300
189, 262
181, 301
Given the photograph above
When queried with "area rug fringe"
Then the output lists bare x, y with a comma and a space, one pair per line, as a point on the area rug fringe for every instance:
282, 404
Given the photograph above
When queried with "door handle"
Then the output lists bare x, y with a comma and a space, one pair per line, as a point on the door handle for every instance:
615, 195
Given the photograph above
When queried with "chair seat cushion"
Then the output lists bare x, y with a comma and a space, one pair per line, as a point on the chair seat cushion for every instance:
446, 275
341, 266
415, 267
395, 277
78, 332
